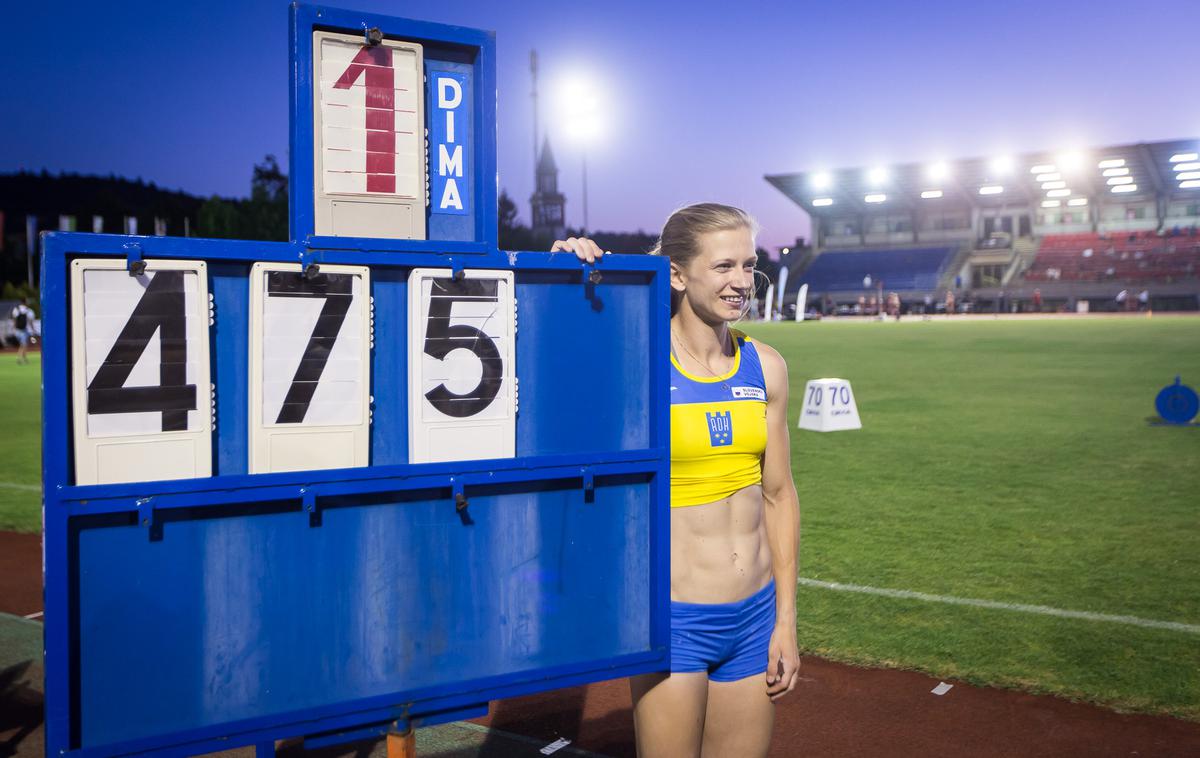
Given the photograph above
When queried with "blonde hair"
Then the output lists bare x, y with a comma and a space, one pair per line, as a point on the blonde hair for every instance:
681, 235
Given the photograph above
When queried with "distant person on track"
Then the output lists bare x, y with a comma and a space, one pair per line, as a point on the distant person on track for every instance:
22, 324
735, 519
1037, 300
949, 302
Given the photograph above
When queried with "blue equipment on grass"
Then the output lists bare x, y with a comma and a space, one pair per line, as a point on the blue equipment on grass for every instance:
240, 545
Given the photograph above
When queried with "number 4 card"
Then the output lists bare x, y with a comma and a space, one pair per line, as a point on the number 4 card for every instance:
462, 378
310, 364
141, 393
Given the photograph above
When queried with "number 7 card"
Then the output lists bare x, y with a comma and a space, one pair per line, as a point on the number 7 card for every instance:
310, 367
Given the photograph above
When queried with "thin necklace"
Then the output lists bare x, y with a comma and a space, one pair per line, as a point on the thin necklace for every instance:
714, 374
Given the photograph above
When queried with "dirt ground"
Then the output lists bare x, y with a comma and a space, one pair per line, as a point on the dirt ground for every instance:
836, 710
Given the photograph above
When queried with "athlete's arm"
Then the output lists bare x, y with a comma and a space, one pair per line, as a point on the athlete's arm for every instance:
782, 513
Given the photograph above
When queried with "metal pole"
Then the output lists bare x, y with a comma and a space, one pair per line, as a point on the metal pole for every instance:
533, 72
31, 238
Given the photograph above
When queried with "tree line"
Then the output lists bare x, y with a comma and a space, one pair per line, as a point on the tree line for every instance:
263, 215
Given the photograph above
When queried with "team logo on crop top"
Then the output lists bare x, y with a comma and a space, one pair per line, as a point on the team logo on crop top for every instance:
749, 393
720, 428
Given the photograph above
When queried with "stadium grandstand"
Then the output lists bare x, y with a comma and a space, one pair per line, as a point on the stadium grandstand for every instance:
1079, 228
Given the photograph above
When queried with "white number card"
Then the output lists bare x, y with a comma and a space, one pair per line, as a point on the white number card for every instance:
310, 359
462, 377
141, 393
369, 137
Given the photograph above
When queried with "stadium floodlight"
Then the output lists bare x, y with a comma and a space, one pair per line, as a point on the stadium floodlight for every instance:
1051, 203
1001, 165
1043, 168
821, 202
1111, 163
1048, 177
1116, 172
1120, 180
991, 189
579, 105
1070, 161
875, 198
1181, 157
1058, 193
931, 194
821, 180
786, 250
877, 176
939, 170
1186, 166
1186, 175
1125, 188
1053, 185
1077, 201
1190, 184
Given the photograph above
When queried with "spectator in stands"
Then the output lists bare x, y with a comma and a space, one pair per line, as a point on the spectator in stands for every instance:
1037, 300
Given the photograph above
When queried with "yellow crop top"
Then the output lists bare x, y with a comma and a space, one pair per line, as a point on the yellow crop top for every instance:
718, 429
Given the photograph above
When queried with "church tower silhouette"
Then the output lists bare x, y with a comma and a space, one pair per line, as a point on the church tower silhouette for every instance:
547, 202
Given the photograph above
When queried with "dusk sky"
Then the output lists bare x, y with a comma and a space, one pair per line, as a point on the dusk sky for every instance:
699, 99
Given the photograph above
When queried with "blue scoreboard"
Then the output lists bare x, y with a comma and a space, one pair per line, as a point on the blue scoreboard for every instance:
364, 480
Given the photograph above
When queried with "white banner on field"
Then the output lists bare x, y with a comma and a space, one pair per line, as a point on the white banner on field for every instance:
801, 302
783, 277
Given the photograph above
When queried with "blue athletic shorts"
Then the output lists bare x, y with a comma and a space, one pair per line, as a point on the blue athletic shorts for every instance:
22, 336
728, 640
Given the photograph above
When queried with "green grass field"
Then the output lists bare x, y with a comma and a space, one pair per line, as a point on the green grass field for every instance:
999, 461
21, 443
1011, 462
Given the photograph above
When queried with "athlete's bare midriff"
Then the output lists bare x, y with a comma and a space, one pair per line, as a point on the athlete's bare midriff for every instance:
719, 550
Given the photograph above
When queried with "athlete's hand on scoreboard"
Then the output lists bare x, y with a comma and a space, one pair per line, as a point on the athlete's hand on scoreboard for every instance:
584, 248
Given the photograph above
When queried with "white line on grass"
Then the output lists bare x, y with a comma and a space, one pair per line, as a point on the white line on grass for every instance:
32, 616
24, 487
1043, 610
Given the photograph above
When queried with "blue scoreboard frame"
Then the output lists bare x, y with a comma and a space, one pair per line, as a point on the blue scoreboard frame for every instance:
193, 615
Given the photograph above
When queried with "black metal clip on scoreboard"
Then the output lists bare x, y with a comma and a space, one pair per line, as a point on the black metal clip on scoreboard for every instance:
362, 481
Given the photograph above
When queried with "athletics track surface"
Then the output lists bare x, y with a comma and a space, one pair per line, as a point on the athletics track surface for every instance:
836, 710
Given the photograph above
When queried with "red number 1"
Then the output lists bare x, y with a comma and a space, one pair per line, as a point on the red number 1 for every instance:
376, 63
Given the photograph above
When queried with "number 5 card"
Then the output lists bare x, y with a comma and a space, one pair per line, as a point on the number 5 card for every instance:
462, 378
310, 364
141, 393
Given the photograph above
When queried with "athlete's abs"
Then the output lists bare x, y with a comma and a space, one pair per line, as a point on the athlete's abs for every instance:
719, 551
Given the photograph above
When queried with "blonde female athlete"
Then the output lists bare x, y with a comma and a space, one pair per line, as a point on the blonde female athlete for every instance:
735, 519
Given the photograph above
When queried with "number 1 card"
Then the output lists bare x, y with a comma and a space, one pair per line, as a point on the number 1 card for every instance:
369, 137
310, 367
141, 392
